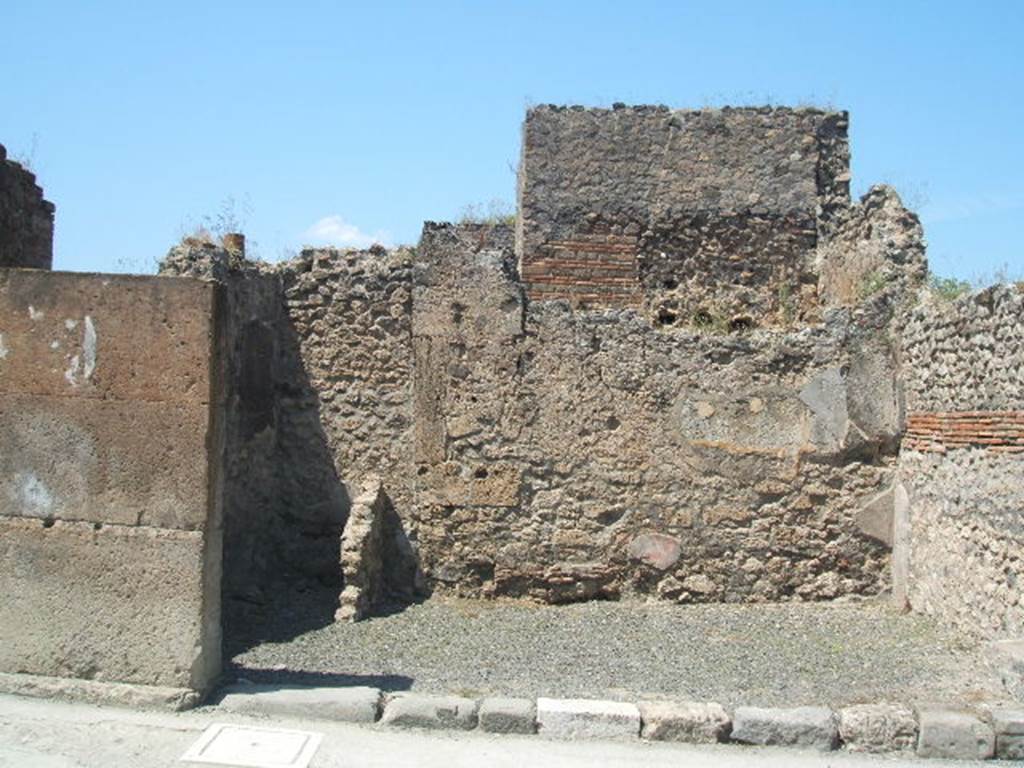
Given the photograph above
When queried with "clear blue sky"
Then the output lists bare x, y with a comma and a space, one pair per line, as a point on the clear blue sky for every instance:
359, 120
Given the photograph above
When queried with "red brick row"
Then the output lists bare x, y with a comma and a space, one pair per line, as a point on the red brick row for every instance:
1001, 431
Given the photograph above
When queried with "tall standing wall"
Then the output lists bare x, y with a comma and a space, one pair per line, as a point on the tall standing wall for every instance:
961, 528
110, 451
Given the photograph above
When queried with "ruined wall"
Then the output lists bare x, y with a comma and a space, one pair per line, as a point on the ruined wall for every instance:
110, 539
26, 219
567, 455
962, 461
699, 216
875, 246
656, 387
319, 382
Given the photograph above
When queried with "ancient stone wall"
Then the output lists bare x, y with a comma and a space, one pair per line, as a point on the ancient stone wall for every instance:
26, 219
876, 246
319, 382
110, 450
568, 455
962, 458
701, 217
662, 392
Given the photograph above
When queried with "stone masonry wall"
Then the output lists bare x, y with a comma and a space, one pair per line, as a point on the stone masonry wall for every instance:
110, 450
26, 219
962, 460
569, 455
319, 382
715, 214
660, 385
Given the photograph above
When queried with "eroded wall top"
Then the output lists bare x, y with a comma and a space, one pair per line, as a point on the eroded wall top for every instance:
631, 205
26, 219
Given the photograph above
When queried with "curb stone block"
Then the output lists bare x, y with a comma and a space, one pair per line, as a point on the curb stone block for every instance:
503, 715
1010, 747
1008, 724
878, 728
587, 719
1006, 658
954, 734
812, 727
413, 710
358, 704
692, 722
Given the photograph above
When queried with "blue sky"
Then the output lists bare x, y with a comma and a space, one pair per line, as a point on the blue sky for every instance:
359, 121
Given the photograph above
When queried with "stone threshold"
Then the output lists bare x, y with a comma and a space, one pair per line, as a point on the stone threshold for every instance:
932, 731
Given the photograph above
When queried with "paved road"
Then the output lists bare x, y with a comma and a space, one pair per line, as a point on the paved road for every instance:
46, 734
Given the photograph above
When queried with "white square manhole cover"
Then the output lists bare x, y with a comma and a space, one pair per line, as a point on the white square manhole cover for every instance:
249, 747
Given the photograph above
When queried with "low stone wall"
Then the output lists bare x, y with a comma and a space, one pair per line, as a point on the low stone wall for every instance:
26, 219
110, 538
959, 553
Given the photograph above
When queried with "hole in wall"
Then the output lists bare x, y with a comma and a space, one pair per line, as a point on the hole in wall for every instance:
666, 317
48, 522
480, 473
741, 323
457, 312
702, 318
670, 284
422, 471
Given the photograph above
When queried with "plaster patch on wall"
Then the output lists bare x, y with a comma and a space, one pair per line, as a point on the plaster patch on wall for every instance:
54, 344
72, 371
33, 496
3, 348
84, 363
70, 324
89, 347
35, 314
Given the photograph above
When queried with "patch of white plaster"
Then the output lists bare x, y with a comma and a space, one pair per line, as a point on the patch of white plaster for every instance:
54, 344
72, 371
3, 349
35, 314
89, 347
35, 497
70, 324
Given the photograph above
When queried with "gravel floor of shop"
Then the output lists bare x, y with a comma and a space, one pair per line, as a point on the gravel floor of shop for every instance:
761, 655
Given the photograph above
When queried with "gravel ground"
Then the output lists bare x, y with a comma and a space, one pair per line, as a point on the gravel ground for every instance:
768, 655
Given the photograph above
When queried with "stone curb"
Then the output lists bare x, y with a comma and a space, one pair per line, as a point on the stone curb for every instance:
950, 732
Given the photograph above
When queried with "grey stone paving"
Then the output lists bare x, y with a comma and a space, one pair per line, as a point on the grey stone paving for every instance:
782, 655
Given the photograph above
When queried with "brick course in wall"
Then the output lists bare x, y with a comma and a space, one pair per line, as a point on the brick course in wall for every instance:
590, 270
961, 461
998, 431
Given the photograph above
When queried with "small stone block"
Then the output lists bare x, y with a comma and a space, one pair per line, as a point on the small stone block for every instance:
691, 722
357, 704
1008, 721
499, 715
587, 719
413, 710
1010, 747
812, 727
954, 734
878, 728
